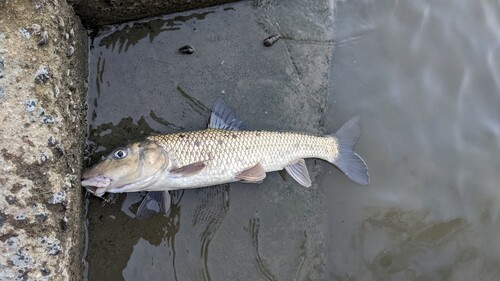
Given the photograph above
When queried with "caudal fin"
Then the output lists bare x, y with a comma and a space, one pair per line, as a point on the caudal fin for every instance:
348, 161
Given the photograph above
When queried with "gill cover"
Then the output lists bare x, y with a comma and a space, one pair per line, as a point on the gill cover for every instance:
127, 169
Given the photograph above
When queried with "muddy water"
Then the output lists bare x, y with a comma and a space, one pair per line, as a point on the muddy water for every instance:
424, 77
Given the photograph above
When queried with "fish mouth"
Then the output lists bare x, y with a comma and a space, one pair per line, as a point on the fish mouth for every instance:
98, 181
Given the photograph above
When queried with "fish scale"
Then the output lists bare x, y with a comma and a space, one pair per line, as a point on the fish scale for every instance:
226, 153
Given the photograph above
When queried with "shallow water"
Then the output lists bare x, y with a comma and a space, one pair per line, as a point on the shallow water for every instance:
424, 77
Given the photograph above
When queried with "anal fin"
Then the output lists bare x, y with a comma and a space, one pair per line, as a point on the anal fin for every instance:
255, 174
298, 171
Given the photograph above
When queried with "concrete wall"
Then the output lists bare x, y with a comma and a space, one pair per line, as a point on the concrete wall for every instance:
100, 12
43, 72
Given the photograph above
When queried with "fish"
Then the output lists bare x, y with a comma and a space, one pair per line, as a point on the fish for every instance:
223, 153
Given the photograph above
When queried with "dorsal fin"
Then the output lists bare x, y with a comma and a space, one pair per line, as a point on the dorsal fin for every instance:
223, 117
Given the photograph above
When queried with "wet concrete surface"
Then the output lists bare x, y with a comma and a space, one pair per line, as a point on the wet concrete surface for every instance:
42, 103
140, 84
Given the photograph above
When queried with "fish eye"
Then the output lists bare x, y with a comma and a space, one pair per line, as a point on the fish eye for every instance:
119, 154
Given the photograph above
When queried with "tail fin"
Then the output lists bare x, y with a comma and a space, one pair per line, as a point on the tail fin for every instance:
348, 161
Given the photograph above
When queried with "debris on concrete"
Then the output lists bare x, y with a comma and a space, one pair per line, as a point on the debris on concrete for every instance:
186, 50
269, 41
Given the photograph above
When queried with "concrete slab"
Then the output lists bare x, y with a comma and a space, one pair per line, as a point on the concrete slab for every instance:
141, 84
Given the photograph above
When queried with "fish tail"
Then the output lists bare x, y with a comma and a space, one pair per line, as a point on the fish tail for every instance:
347, 160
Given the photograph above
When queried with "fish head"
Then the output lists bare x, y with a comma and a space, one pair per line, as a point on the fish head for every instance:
127, 169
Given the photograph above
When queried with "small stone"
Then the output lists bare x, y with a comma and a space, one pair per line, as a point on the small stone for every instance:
36, 28
41, 111
62, 25
42, 158
11, 199
59, 149
45, 271
52, 141
55, 130
44, 40
186, 50
12, 243
20, 217
25, 33
58, 197
41, 217
72, 32
47, 119
56, 91
70, 51
30, 105
2, 93
42, 75
2, 65
53, 249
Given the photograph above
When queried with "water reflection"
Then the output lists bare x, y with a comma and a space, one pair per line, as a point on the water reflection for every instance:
109, 135
210, 212
253, 230
130, 34
427, 92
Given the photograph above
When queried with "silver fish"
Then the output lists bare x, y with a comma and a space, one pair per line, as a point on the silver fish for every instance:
222, 153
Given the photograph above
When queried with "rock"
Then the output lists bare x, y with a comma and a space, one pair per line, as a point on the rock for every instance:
30, 105
42, 75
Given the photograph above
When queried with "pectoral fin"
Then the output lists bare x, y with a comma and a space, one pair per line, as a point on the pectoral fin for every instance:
298, 171
154, 202
189, 170
254, 174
